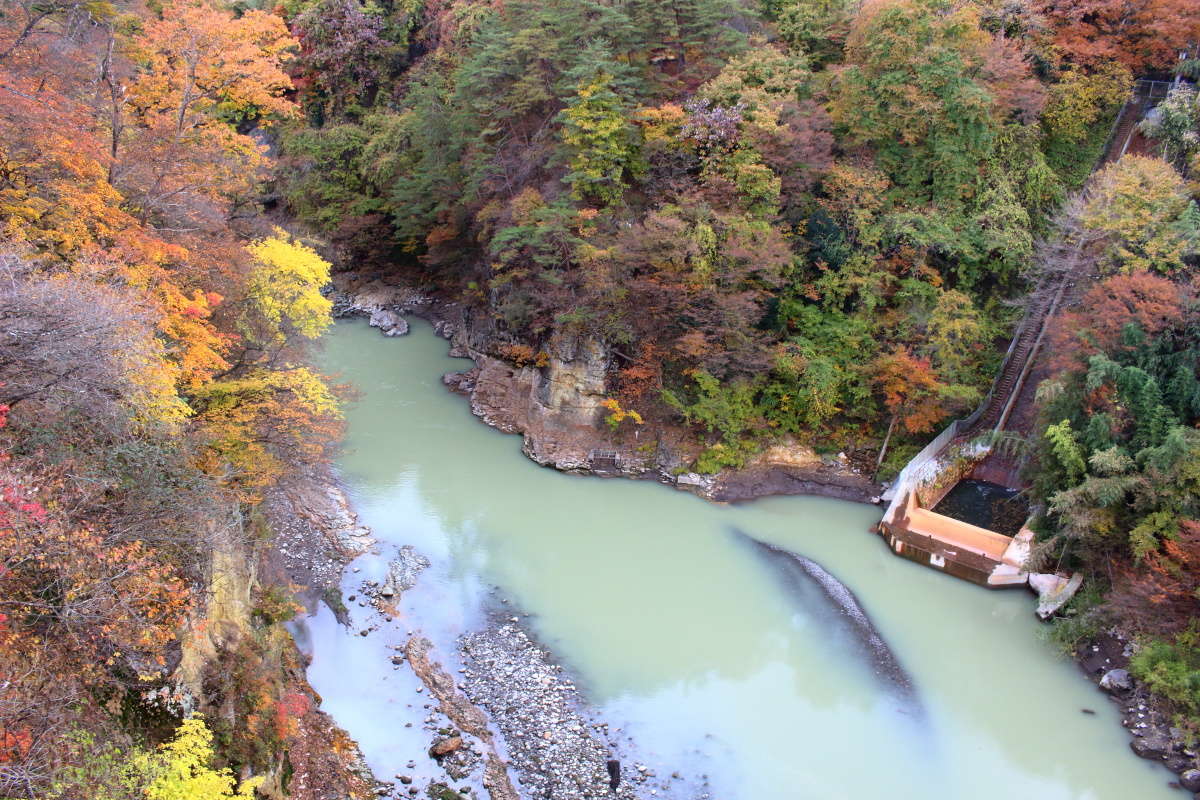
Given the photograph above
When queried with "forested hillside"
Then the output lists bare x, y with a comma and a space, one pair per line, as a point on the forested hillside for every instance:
152, 326
1116, 454
789, 218
813, 219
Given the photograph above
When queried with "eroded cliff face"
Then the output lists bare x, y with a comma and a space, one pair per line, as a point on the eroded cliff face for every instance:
554, 400
225, 617
236, 663
556, 407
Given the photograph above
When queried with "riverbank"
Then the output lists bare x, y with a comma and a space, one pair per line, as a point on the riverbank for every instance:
554, 402
510, 716
548, 737
1154, 736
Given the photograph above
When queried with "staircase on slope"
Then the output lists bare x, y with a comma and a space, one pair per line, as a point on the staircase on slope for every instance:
1131, 115
1012, 385
1014, 366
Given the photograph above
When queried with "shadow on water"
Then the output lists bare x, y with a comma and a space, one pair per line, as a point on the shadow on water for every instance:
825, 597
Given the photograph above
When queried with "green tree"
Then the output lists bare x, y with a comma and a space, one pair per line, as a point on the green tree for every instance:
805, 390
908, 91
1176, 123
686, 32
417, 157
1119, 458
1079, 113
332, 185
815, 27
725, 409
1081, 98
179, 769
1172, 669
760, 80
957, 336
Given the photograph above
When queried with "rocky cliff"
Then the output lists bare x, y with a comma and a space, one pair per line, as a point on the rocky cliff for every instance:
553, 399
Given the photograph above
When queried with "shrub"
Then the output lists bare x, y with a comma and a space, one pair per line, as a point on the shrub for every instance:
1172, 670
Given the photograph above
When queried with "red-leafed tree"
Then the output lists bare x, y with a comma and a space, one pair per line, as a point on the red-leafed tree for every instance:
1144, 35
910, 390
1009, 76
1144, 299
1159, 594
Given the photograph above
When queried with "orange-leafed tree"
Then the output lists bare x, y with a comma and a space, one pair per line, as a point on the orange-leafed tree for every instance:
95, 597
54, 191
1144, 35
200, 69
910, 389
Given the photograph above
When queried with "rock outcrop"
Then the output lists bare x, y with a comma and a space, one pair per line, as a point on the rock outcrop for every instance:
402, 572
1054, 591
383, 305
1115, 681
554, 400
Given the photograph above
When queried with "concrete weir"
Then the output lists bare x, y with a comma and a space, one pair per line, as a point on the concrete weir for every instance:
913, 530
955, 547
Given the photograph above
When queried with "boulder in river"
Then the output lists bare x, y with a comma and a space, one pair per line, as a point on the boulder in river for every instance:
403, 571
388, 321
1155, 744
1190, 780
1116, 680
445, 746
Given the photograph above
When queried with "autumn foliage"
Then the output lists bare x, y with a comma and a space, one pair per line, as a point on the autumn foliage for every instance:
1148, 301
152, 331
1158, 595
787, 218
1144, 35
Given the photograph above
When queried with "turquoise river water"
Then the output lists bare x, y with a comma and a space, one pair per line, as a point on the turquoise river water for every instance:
684, 636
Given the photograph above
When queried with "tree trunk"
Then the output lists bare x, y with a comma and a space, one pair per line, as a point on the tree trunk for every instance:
883, 450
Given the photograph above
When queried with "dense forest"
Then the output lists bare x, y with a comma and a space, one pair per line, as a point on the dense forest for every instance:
799, 218
813, 219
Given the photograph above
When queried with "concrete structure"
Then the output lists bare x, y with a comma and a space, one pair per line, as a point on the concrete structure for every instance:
955, 547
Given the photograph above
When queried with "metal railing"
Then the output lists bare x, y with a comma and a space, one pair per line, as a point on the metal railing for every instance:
1152, 90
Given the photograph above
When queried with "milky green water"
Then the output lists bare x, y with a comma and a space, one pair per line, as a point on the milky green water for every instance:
682, 635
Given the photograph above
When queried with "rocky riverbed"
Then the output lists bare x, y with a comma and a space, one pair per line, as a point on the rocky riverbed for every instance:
558, 748
314, 530
512, 718
511, 723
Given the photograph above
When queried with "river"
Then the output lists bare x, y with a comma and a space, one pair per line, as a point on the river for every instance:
681, 633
